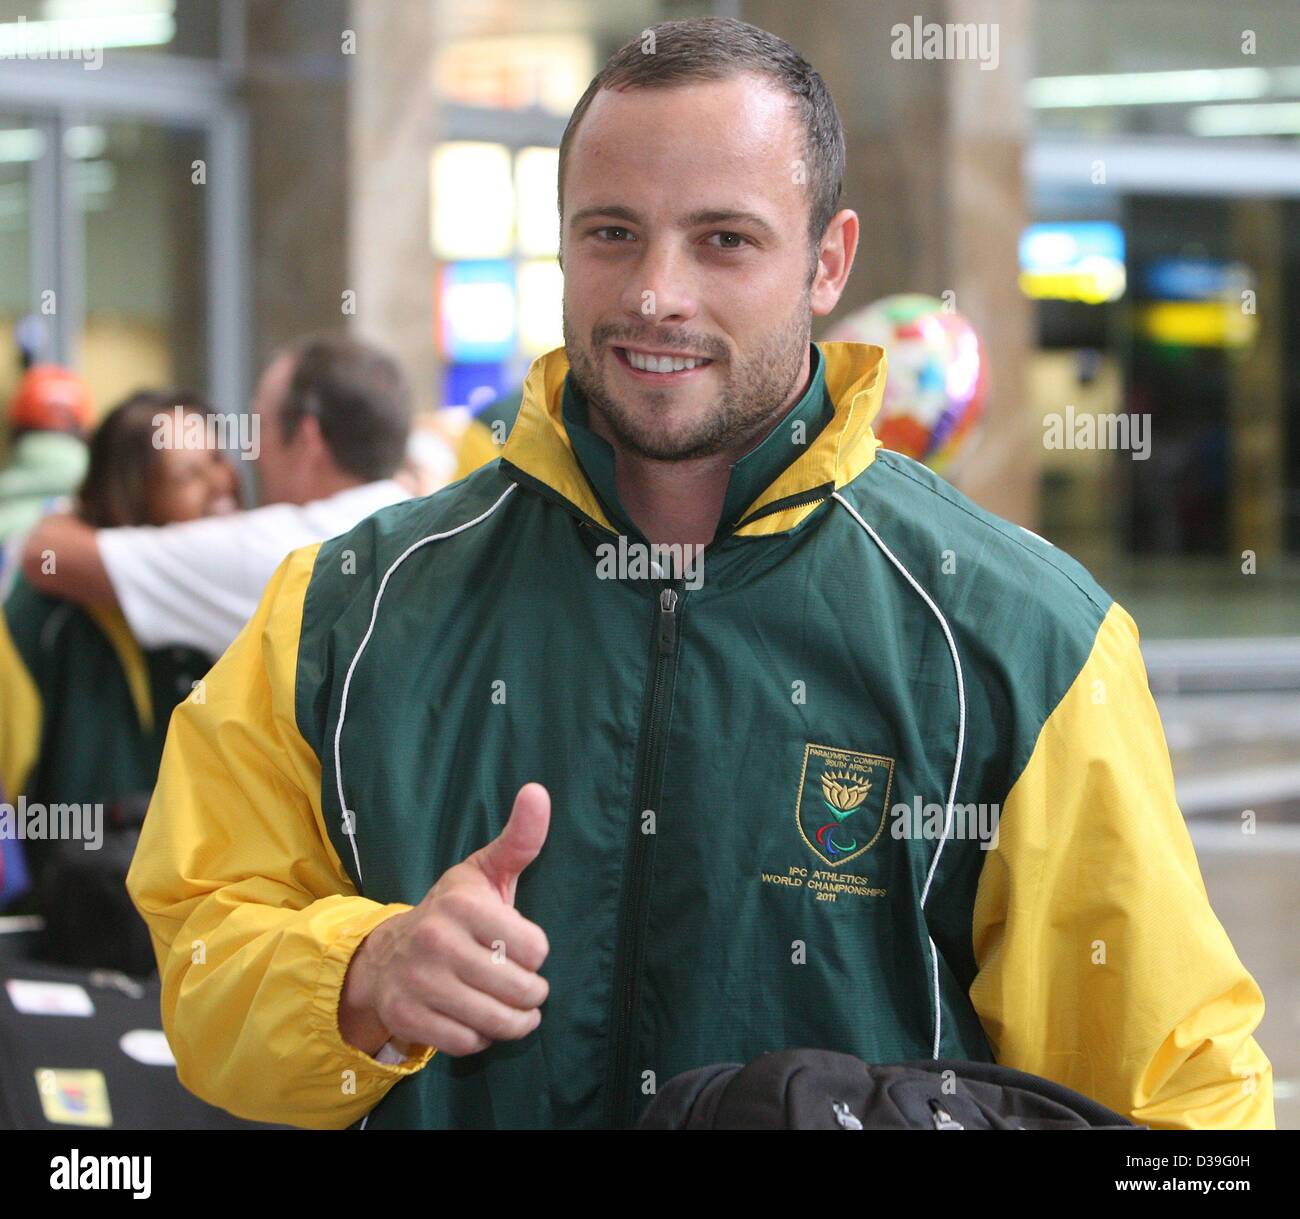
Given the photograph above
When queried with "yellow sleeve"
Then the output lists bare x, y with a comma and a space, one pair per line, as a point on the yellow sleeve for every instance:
1101, 964
252, 916
21, 716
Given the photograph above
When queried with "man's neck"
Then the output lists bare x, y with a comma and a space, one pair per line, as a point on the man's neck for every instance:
680, 502
327, 483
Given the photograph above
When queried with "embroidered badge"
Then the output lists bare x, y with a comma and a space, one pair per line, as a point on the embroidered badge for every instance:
840, 807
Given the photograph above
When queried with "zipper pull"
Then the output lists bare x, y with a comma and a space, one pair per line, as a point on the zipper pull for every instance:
943, 1120
667, 621
847, 1119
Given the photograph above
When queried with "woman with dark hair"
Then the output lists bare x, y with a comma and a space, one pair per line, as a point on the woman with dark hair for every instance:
145, 471
83, 709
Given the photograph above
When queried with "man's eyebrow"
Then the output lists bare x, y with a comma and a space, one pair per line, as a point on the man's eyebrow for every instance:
702, 216
729, 216
613, 210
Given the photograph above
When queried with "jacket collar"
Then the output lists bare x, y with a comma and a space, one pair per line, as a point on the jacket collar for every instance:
772, 488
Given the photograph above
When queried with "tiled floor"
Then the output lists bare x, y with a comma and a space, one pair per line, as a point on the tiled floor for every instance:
1233, 753
1257, 898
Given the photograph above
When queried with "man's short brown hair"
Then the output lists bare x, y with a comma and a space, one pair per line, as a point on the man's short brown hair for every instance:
360, 398
718, 48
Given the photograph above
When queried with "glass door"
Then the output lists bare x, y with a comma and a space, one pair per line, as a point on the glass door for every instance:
22, 144
138, 196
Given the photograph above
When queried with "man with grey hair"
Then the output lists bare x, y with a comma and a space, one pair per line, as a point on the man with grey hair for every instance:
449, 750
331, 416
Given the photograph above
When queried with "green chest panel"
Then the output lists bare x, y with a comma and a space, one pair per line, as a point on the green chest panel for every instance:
724, 873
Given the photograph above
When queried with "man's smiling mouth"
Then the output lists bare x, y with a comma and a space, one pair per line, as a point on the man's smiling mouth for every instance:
659, 363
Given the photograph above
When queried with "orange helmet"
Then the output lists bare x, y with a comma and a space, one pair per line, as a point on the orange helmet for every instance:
51, 399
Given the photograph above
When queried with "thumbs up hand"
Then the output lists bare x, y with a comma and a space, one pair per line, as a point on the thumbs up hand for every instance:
504, 858
458, 971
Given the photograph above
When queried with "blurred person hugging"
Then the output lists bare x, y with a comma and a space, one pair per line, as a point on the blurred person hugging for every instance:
83, 707
327, 434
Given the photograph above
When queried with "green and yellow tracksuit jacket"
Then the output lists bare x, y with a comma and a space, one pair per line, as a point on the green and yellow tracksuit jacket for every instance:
758, 784
83, 709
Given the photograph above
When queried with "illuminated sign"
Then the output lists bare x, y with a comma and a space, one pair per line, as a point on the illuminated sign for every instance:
1081, 261
476, 311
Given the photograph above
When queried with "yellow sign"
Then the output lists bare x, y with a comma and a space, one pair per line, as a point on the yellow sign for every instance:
73, 1098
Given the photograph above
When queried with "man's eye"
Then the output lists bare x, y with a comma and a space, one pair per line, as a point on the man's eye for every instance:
739, 239
609, 228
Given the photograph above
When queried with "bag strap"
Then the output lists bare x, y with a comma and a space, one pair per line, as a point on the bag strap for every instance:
1093, 1112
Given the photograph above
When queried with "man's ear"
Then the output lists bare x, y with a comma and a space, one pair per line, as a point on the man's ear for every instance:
309, 438
834, 262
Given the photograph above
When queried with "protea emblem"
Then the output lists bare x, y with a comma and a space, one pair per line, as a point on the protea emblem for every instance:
842, 793
853, 789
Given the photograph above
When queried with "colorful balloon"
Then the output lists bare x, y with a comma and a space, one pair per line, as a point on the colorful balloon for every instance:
938, 376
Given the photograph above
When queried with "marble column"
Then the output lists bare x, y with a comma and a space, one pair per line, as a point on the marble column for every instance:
297, 74
393, 115
934, 155
1256, 402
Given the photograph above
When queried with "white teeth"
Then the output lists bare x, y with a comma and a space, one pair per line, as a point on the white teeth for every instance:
649, 363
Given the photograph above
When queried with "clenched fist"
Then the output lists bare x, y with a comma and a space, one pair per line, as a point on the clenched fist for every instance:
458, 971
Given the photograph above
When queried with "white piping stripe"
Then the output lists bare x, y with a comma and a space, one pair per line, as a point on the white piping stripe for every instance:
961, 734
934, 966
349, 818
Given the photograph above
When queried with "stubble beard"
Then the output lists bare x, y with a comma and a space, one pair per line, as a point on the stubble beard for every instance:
744, 410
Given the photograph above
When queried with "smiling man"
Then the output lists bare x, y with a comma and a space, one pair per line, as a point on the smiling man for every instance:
688, 310
467, 834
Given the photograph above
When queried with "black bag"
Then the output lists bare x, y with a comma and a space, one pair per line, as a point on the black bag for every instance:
90, 921
80, 1049
826, 1090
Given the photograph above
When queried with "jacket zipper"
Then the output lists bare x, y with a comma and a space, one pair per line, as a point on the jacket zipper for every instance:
622, 1081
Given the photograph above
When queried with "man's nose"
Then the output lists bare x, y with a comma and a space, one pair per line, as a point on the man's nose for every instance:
660, 286
221, 479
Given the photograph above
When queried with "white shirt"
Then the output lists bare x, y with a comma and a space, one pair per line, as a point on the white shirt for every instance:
195, 584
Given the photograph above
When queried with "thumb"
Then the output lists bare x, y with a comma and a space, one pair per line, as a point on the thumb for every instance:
507, 855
